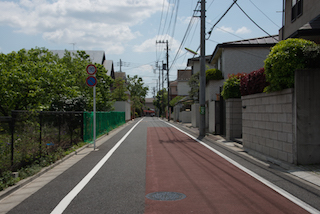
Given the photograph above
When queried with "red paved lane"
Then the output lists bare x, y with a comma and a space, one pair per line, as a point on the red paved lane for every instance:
176, 163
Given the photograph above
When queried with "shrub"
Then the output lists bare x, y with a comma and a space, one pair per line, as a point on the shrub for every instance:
213, 74
286, 57
231, 87
253, 83
175, 100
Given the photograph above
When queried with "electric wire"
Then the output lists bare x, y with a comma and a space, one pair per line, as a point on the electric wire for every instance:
254, 21
160, 25
234, 2
185, 36
264, 14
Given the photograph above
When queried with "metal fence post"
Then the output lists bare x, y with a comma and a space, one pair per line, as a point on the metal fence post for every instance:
12, 135
40, 137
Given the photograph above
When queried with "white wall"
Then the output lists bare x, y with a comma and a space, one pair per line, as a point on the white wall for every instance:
123, 106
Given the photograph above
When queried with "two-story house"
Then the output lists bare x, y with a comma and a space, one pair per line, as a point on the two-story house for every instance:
301, 19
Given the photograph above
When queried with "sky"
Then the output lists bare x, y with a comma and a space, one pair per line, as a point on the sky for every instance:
129, 29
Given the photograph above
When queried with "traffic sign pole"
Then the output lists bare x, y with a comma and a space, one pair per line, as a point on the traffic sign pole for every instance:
94, 117
92, 82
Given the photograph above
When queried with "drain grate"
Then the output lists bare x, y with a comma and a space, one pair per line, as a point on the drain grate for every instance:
166, 196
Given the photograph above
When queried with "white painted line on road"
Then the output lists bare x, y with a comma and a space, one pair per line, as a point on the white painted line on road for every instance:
282, 192
64, 203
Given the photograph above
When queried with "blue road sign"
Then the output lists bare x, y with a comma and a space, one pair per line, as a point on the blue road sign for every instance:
91, 81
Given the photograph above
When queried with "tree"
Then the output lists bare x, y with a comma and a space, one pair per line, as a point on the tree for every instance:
161, 101
30, 79
37, 79
194, 84
137, 91
119, 90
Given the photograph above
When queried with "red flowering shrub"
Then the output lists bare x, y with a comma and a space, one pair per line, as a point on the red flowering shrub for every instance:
253, 82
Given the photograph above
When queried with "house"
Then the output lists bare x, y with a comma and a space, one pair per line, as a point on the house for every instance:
194, 63
234, 57
301, 20
183, 77
98, 57
173, 89
108, 64
241, 56
120, 75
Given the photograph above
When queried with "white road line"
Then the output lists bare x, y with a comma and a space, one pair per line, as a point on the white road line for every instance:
282, 192
64, 203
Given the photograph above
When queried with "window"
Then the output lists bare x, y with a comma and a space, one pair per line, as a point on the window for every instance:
296, 9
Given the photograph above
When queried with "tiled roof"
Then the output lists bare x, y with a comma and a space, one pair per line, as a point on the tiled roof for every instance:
259, 41
313, 24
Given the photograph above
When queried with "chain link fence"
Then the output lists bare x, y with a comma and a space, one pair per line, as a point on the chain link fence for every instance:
105, 122
28, 136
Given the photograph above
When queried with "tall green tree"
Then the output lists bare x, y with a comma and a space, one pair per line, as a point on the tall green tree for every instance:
137, 91
120, 89
37, 79
161, 101
194, 84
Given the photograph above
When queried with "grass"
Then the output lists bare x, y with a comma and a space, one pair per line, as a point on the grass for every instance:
7, 178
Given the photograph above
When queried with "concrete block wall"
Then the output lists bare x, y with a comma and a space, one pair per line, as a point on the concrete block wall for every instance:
185, 116
195, 115
233, 118
268, 124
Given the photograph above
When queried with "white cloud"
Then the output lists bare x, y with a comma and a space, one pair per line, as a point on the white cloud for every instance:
150, 44
243, 30
89, 23
225, 29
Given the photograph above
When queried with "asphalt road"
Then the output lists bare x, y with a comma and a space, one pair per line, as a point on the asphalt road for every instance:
178, 174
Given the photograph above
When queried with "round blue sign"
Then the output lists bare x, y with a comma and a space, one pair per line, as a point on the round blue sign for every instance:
91, 81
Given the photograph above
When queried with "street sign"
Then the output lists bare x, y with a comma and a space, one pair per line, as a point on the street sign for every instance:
91, 69
91, 81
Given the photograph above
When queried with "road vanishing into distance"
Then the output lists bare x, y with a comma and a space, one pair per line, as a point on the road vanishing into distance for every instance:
152, 166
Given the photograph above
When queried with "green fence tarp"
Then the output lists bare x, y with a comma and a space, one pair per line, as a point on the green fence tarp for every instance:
105, 122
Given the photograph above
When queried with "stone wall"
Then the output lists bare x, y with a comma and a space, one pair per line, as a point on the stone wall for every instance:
268, 124
233, 118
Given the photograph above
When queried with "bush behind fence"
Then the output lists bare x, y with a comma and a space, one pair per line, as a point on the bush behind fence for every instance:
28, 136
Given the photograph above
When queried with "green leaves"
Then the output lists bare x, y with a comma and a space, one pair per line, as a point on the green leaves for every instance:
35, 79
286, 57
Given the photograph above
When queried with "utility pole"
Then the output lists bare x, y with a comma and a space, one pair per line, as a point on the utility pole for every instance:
167, 68
202, 97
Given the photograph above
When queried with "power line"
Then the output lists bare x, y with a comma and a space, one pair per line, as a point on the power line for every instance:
234, 2
264, 14
254, 21
185, 35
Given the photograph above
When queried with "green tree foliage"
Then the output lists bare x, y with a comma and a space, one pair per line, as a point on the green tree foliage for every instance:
37, 79
194, 84
137, 91
119, 90
286, 57
161, 101
175, 100
231, 87
213, 74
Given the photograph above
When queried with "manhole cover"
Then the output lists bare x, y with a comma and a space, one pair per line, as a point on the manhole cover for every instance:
166, 196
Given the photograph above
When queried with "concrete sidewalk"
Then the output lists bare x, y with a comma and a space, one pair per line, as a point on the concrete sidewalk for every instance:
309, 173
